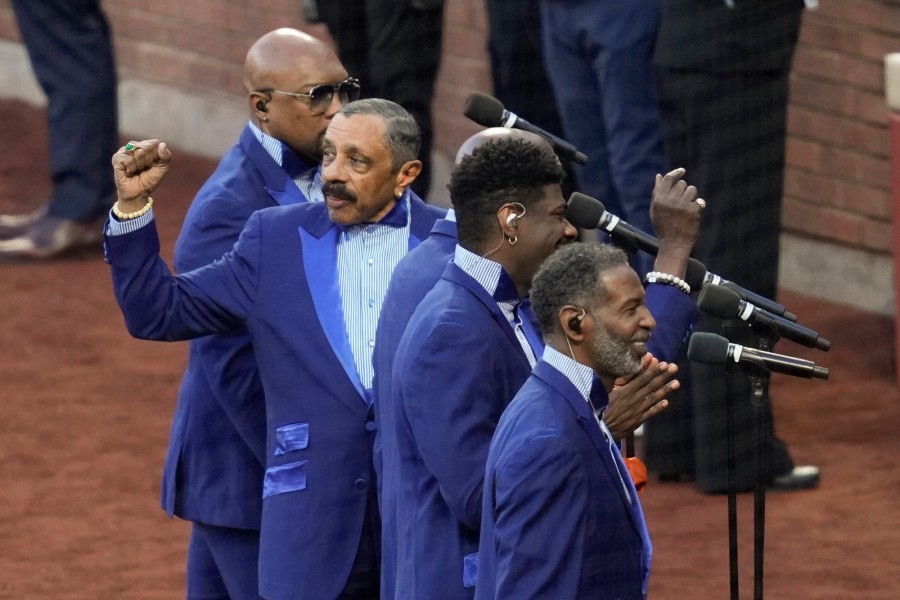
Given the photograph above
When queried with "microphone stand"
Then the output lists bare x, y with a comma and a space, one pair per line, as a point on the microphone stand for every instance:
762, 338
732, 482
759, 386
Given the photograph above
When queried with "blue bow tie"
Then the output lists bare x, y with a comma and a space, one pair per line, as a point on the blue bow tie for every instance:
506, 289
292, 164
397, 216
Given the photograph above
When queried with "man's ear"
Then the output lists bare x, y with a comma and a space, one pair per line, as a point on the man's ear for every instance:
259, 105
571, 322
408, 173
509, 216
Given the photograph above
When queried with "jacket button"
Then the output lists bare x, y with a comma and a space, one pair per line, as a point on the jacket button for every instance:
371, 426
360, 484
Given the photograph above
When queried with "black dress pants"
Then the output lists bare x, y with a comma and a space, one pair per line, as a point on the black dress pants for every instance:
394, 48
728, 131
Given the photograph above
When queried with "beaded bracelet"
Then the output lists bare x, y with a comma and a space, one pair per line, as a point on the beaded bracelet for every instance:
132, 215
668, 279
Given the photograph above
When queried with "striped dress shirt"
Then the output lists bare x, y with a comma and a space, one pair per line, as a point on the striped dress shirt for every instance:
496, 282
367, 255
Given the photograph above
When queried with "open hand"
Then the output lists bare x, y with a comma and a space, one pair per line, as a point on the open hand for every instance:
634, 400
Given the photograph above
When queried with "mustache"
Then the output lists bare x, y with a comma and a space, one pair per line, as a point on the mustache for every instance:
642, 338
338, 190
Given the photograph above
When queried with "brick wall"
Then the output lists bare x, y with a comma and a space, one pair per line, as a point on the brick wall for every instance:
837, 184
197, 44
200, 44
837, 188
464, 69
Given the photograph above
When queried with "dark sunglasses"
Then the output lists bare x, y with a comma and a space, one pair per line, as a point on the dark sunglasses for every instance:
320, 96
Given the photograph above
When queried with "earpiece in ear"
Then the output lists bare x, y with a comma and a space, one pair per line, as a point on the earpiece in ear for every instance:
513, 219
575, 322
261, 106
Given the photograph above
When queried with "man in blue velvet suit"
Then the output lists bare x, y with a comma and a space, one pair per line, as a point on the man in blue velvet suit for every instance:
414, 277
561, 516
217, 448
466, 352
307, 281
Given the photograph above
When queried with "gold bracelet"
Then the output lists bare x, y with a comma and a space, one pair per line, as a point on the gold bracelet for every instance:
132, 215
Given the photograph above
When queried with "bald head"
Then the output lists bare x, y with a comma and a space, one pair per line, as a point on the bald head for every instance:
280, 70
281, 52
498, 133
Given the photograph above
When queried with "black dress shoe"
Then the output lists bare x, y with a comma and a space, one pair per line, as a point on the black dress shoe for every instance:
52, 237
804, 477
15, 225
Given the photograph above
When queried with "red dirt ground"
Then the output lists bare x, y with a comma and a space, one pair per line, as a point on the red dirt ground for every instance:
85, 410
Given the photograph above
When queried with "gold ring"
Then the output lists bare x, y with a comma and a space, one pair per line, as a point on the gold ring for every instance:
130, 147
701, 203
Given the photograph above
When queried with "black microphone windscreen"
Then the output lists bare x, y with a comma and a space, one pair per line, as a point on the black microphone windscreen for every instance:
719, 301
484, 110
695, 274
583, 211
708, 348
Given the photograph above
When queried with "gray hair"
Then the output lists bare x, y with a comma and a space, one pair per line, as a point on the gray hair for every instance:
401, 132
572, 276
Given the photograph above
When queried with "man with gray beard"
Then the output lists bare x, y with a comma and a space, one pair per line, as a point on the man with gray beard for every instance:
560, 516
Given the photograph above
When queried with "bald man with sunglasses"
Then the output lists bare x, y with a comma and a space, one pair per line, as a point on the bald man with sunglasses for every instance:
214, 468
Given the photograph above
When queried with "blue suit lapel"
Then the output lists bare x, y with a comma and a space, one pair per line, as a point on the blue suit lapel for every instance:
421, 219
444, 227
458, 276
320, 240
319, 236
588, 422
278, 183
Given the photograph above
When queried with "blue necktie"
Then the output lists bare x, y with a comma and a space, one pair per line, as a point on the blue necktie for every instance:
598, 401
527, 321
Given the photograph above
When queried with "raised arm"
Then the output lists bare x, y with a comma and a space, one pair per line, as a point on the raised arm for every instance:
156, 304
675, 213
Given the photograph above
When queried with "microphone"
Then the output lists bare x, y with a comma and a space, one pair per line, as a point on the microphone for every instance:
589, 213
490, 112
724, 303
751, 297
712, 349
